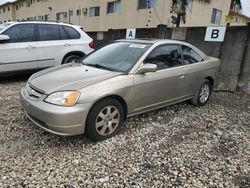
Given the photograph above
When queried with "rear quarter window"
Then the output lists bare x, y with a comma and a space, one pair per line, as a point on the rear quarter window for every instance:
71, 33
190, 56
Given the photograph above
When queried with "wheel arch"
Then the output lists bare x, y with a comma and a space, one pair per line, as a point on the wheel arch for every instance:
210, 79
116, 97
78, 53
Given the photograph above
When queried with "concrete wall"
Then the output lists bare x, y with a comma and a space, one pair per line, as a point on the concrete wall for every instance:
234, 52
244, 78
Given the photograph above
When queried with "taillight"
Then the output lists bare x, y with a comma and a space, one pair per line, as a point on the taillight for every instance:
91, 44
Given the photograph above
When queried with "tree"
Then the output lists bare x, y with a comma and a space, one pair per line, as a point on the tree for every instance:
179, 9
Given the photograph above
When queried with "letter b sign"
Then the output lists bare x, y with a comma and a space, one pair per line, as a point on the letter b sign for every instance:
215, 34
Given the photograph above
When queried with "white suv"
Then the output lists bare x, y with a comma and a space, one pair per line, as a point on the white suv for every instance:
38, 45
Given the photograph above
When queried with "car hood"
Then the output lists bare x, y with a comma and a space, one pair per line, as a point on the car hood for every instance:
68, 77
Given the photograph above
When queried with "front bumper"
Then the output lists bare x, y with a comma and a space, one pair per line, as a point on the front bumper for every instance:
64, 121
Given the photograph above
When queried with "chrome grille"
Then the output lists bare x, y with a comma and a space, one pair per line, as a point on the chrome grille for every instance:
33, 93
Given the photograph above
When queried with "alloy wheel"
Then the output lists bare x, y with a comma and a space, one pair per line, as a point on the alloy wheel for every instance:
204, 93
107, 120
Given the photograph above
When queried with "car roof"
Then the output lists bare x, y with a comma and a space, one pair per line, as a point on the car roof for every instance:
44, 22
153, 41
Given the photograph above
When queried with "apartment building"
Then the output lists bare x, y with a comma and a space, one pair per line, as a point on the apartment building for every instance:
101, 15
7, 12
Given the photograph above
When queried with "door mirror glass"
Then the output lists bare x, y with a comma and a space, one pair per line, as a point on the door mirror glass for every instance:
4, 38
147, 68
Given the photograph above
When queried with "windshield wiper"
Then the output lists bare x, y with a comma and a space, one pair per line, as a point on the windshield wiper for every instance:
99, 66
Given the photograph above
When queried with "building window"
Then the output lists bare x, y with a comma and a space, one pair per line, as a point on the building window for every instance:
8, 8
16, 7
3, 9
40, 17
94, 11
114, 6
60, 16
216, 16
78, 12
145, 4
46, 17
71, 13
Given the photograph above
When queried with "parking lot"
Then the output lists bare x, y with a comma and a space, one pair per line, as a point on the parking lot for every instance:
181, 145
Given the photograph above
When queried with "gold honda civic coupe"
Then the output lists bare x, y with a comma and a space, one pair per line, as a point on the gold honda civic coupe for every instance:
124, 78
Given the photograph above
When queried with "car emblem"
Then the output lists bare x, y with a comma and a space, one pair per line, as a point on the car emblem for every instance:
32, 92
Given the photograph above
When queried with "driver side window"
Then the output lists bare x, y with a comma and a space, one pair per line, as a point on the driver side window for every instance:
165, 56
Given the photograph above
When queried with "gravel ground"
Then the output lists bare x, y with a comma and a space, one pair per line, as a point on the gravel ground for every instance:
179, 146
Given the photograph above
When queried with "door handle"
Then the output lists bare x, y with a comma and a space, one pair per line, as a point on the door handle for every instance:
30, 47
67, 45
182, 76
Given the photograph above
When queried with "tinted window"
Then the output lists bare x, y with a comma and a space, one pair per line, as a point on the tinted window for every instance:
190, 56
63, 34
48, 32
114, 6
72, 33
144, 4
164, 57
21, 33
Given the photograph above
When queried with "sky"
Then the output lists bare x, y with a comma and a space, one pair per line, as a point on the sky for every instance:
245, 5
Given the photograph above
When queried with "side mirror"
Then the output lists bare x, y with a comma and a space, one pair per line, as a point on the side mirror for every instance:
147, 68
4, 38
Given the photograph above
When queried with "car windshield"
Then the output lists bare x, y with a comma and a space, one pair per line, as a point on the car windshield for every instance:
118, 56
4, 25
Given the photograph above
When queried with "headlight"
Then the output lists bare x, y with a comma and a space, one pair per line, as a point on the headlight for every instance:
64, 98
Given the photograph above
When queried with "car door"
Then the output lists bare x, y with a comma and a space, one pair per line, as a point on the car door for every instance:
163, 86
19, 53
194, 68
50, 47
55, 41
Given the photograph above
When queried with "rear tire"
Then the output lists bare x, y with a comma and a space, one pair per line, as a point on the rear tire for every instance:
203, 94
70, 59
104, 120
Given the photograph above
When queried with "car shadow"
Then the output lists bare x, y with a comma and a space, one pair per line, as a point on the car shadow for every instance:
15, 78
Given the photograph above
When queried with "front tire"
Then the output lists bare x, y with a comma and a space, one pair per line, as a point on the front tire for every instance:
70, 59
104, 120
203, 94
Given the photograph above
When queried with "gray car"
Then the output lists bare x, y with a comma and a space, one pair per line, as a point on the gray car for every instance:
124, 78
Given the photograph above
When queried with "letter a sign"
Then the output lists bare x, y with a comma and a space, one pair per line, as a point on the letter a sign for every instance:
215, 34
131, 33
